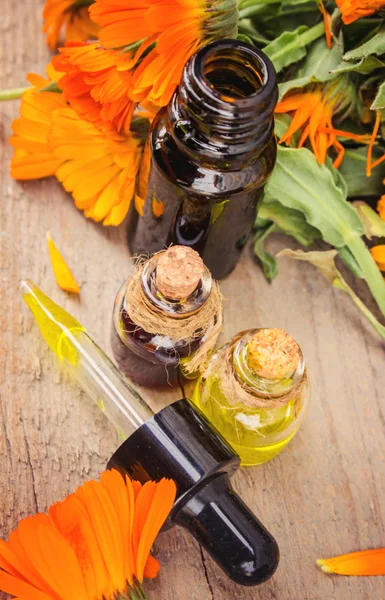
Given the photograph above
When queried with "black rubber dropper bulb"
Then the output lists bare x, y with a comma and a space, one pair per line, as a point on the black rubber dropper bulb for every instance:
181, 444
178, 443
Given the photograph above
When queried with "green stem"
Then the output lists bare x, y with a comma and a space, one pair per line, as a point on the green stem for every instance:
370, 270
12, 94
342, 285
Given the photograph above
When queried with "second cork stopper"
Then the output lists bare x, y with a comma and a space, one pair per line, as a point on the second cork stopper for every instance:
178, 272
273, 354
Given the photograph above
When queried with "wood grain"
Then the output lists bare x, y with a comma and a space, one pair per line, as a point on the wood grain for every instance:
324, 495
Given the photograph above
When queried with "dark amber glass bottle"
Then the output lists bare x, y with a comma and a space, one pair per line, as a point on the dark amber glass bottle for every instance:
170, 294
210, 153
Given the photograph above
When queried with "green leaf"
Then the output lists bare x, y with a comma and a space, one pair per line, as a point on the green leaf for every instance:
288, 48
317, 66
321, 60
242, 37
293, 15
376, 45
338, 178
350, 262
282, 123
268, 262
292, 222
379, 101
293, 84
324, 261
261, 10
247, 27
353, 170
374, 225
300, 183
364, 66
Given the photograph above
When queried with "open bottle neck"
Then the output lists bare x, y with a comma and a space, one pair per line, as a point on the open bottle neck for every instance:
224, 107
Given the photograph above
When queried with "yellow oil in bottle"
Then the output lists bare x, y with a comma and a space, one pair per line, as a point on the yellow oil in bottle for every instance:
257, 434
249, 431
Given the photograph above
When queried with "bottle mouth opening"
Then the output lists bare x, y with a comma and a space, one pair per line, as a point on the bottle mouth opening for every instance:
235, 72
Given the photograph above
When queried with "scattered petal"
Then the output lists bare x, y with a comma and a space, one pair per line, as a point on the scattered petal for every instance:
63, 275
366, 562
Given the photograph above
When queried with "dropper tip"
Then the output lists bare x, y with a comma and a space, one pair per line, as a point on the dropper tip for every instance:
25, 287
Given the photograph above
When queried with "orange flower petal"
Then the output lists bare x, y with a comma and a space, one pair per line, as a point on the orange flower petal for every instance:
63, 275
72, 520
151, 568
356, 9
372, 142
327, 21
381, 207
11, 585
33, 157
157, 207
158, 509
366, 562
123, 503
65, 15
107, 529
378, 253
313, 112
98, 167
121, 23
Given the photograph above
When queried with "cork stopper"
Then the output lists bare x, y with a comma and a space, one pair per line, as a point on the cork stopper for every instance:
273, 354
178, 272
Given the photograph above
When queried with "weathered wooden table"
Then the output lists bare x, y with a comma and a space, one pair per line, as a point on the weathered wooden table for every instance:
323, 496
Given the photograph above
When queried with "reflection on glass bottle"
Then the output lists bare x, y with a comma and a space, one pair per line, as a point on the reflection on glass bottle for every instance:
209, 155
167, 318
256, 392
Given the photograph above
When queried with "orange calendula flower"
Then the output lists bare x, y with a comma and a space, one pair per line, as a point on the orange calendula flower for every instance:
94, 85
63, 275
95, 545
97, 166
381, 207
356, 9
70, 17
378, 253
313, 112
33, 157
161, 35
366, 562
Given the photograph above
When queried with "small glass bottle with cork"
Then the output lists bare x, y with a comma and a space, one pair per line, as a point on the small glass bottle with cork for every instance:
256, 392
167, 318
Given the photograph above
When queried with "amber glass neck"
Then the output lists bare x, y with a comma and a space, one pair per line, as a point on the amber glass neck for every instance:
224, 107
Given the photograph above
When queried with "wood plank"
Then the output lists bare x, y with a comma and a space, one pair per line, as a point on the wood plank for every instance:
322, 496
